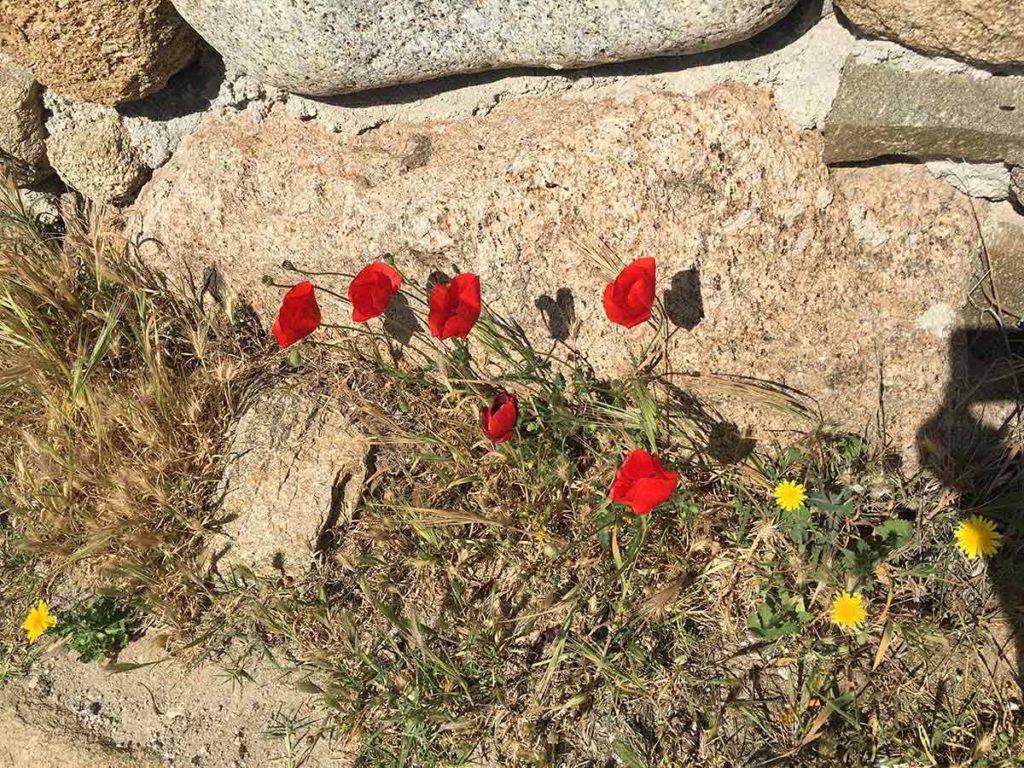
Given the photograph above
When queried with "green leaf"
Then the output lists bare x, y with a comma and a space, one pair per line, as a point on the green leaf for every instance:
603, 521
895, 533
840, 504
99, 630
626, 754
781, 614
796, 523
861, 557
638, 532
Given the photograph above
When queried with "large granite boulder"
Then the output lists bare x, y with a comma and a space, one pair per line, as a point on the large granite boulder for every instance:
772, 266
22, 135
108, 51
326, 47
985, 31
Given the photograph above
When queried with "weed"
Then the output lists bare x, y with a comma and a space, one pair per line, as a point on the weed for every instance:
99, 629
114, 397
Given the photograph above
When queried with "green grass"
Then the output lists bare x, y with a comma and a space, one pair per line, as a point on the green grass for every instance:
490, 606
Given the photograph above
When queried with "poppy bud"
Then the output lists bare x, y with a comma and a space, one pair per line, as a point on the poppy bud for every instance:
498, 420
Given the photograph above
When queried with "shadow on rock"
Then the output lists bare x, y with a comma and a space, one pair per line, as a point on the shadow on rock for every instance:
969, 445
559, 313
723, 440
400, 321
437, 277
190, 92
684, 303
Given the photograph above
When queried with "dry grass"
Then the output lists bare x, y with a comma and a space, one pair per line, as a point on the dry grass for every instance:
113, 401
479, 608
490, 606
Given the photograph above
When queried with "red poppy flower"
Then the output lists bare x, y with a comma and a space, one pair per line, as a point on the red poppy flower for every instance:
642, 483
299, 315
455, 307
498, 420
371, 290
629, 298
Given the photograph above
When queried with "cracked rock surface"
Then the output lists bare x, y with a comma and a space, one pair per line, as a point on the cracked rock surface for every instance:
295, 467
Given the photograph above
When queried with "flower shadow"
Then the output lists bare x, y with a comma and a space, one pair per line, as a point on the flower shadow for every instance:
437, 277
684, 303
559, 313
400, 322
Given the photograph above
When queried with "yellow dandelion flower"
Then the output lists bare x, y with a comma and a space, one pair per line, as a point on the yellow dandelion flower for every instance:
848, 610
542, 533
790, 496
977, 537
39, 620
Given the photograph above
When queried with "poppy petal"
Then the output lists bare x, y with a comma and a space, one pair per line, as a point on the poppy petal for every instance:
629, 298
455, 307
370, 291
299, 315
642, 483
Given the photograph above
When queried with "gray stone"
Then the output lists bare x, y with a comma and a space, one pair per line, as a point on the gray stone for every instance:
97, 159
296, 466
987, 180
22, 136
144, 133
155, 125
148, 131
1000, 287
327, 47
882, 110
